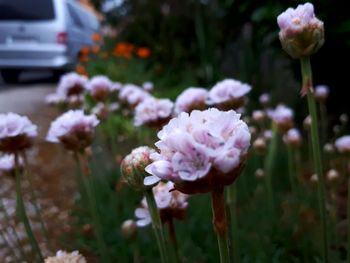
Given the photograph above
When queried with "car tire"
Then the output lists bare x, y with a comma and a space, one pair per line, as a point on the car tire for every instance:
10, 76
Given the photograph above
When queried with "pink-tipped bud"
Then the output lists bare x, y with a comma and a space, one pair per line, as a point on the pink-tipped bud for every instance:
301, 32
307, 122
133, 167
292, 138
260, 145
332, 175
258, 115
264, 99
321, 92
129, 229
259, 173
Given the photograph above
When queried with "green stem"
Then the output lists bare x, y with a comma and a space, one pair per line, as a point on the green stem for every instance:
291, 169
307, 86
232, 205
269, 164
13, 230
112, 134
173, 242
94, 212
33, 196
23, 215
157, 225
220, 223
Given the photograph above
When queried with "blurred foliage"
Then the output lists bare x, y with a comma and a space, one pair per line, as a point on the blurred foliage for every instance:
209, 37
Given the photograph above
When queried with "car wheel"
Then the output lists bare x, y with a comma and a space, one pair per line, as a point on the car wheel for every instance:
10, 76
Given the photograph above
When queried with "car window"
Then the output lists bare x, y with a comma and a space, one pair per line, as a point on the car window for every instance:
74, 16
26, 10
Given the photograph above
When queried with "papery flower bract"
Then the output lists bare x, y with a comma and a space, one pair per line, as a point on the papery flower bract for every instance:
192, 98
73, 129
201, 150
64, 257
282, 116
292, 138
133, 167
16, 132
71, 84
133, 95
101, 87
343, 144
321, 92
228, 94
153, 112
301, 32
170, 203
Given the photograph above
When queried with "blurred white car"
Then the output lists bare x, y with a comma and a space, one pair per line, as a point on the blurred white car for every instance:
42, 34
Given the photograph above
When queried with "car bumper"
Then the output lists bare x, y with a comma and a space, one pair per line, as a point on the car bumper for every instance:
34, 56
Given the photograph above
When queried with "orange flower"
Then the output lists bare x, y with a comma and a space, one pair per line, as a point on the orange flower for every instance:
143, 52
123, 49
95, 49
80, 69
83, 58
85, 51
96, 37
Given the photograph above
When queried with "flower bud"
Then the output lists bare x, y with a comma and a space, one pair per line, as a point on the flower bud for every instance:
259, 173
264, 99
133, 167
307, 122
321, 92
344, 118
260, 145
332, 175
292, 138
328, 148
129, 229
258, 115
301, 32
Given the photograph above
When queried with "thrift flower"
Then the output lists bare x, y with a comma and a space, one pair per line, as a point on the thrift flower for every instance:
282, 116
133, 167
101, 87
301, 32
201, 150
73, 129
71, 84
264, 99
228, 94
148, 86
170, 203
153, 112
133, 95
343, 144
16, 132
292, 138
64, 257
321, 92
191, 99
128, 228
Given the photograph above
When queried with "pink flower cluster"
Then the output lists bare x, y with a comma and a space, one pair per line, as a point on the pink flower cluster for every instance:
7, 163
16, 132
282, 116
301, 32
169, 202
194, 146
190, 99
65, 257
74, 129
133, 95
100, 87
153, 112
228, 94
343, 144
